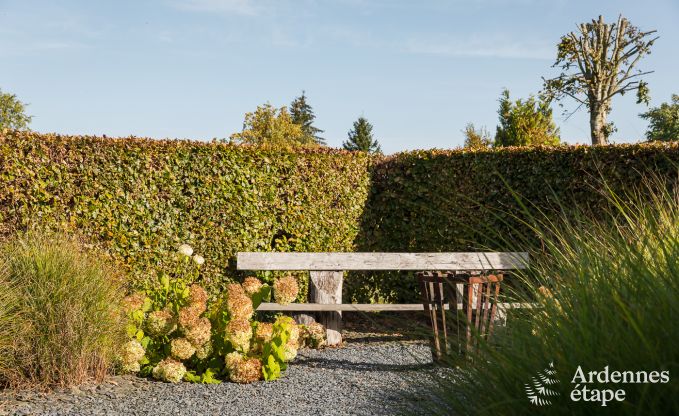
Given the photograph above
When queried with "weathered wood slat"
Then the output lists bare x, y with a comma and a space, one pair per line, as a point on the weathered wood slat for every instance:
364, 307
322, 307
381, 261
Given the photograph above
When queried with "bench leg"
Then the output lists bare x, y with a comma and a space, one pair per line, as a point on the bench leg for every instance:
326, 287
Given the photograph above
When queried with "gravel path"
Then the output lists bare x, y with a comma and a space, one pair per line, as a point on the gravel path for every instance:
359, 379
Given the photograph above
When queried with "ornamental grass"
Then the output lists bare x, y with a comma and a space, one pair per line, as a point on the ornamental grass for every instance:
607, 292
64, 306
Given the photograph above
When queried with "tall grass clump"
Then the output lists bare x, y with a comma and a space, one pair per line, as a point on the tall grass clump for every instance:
608, 301
8, 317
65, 305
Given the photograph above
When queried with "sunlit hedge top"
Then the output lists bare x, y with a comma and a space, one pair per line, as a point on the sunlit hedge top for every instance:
141, 198
438, 199
461, 200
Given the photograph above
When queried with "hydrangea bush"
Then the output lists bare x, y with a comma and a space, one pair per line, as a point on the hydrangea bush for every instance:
177, 334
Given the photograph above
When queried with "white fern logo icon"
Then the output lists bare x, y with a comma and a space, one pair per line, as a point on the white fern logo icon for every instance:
538, 390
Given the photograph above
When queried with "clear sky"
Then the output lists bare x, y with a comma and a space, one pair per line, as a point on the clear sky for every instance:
418, 70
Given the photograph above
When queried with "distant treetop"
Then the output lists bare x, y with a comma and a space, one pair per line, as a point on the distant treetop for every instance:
525, 122
273, 126
360, 137
13, 113
663, 121
301, 113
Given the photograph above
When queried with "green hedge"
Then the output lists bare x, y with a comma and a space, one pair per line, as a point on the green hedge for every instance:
460, 200
140, 198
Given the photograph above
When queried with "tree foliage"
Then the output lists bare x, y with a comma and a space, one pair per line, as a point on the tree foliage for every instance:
12, 113
476, 139
272, 126
663, 121
597, 62
525, 123
361, 137
302, 114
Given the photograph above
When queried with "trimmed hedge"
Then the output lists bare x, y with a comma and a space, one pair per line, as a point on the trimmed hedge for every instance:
140, 198
461, 200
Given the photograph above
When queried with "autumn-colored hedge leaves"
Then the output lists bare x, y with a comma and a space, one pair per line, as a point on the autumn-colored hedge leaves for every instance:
140, 198
460, 200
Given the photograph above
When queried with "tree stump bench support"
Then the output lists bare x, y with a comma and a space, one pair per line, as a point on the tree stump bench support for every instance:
326, 275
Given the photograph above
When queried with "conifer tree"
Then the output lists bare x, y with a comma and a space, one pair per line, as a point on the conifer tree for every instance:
303, 115
361, 137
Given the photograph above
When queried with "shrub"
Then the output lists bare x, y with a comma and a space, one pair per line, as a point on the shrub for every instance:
139, 199
607, 291
460, 200
67, 324
177, 334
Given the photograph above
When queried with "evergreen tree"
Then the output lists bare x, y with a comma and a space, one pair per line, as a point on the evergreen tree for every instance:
525, 123
303, 115
361, 137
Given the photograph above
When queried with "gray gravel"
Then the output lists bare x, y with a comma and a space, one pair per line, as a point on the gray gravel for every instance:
359, 379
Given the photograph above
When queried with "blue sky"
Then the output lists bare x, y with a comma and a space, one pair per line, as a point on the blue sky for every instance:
418, 70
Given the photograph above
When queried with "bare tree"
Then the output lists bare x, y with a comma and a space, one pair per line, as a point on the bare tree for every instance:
597, 62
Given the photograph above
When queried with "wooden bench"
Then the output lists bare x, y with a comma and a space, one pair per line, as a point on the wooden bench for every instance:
327, 273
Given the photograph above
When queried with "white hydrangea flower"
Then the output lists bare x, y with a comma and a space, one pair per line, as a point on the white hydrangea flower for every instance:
239, 306
132, 367
185, 250
200, 333
285, 289
246, 370
239, 332
131, 353
182, 349
289, 351
199, 260
231, 359
313, 335
251, 285
159, 323
204, 351
169, 370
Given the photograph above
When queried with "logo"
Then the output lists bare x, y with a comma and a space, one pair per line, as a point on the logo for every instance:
586, 388
591, 386
538, 390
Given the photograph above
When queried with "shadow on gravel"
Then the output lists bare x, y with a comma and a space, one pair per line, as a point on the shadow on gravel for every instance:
367, 339
354, 366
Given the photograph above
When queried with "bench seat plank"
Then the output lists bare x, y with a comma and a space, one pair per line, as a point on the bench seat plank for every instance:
363, 307
381, 261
